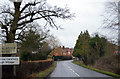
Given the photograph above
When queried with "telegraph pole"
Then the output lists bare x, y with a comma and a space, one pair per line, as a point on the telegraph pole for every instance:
118, 33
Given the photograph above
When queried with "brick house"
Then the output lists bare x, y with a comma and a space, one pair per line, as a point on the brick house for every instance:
117, 52
62, 51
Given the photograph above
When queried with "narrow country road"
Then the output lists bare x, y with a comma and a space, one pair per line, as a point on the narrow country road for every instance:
66, 69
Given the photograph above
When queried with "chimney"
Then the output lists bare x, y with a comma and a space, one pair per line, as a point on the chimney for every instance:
63, 47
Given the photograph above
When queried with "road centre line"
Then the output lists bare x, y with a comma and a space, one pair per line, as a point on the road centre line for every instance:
73, 71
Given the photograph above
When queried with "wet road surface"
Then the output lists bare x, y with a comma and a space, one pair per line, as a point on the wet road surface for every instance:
68, 70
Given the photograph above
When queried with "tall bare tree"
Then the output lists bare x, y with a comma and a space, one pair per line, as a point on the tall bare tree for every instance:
111, 15
19, 14
111, 19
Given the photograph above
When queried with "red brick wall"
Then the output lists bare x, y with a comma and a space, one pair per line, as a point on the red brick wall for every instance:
62, 51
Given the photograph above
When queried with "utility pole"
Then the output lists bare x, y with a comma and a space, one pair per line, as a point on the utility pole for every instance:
0, 49
118, 33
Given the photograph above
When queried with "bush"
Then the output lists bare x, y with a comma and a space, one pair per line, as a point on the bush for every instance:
62, 58
25, 56
108, 64
66, 57
27, 68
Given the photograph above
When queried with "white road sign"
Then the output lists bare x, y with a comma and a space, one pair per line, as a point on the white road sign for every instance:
9, 61
8, 48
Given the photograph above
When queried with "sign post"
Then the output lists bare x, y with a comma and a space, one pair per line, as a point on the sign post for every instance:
9, 60
9, 49
0, 65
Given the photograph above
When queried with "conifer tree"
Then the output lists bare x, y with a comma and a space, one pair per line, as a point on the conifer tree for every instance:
82, 48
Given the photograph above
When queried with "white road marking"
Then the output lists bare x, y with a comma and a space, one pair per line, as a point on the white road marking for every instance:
73, 71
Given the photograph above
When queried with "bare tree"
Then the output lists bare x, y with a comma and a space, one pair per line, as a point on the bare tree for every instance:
111, 15
21, 34
16, 16
53, 41
111, 20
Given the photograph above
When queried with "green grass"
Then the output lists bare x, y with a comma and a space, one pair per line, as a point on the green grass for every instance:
97, 70
45, 73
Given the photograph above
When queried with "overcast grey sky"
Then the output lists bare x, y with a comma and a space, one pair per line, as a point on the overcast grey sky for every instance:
88, 17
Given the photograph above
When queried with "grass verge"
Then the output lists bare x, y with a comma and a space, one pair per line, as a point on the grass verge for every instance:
97, 70
45, 73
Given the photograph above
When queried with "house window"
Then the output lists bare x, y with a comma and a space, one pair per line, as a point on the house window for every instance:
69, 53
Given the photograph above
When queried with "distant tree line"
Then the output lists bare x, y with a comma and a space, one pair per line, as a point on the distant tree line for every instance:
90, 49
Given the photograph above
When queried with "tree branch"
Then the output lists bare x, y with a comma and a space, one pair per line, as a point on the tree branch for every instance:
29, 4
32, 19
37, 12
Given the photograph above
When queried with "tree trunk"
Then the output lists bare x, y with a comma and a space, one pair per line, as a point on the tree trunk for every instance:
8, 70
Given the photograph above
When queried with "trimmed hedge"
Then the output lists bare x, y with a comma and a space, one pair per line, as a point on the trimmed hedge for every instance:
44, 74
62, 58
27, 68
